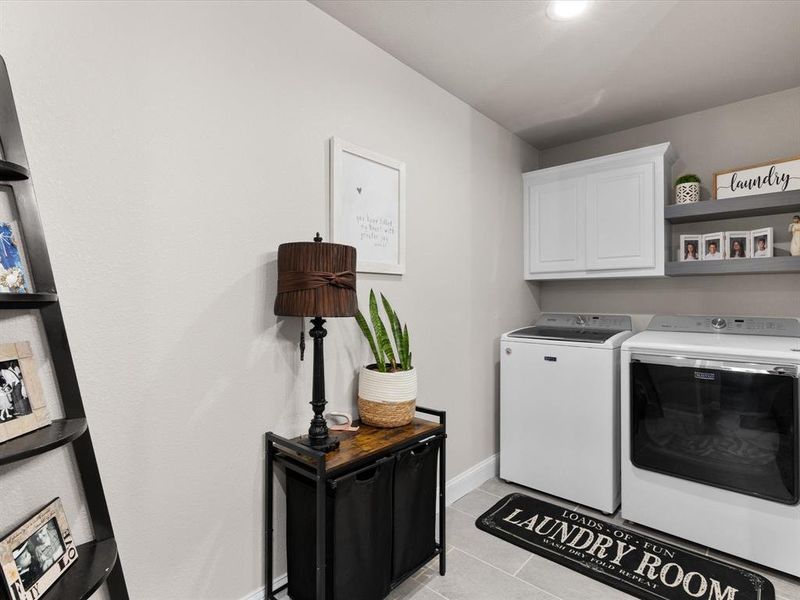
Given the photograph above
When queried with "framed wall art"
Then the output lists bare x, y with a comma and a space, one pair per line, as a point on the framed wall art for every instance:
368, 207
691, 248
764, 178
737, 244
761, 242
37, 553
22, 407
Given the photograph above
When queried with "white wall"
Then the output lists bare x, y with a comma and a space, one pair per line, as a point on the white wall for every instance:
742, 133
173, 148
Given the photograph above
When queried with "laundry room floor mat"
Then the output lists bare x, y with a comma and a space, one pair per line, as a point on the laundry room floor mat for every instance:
629, 561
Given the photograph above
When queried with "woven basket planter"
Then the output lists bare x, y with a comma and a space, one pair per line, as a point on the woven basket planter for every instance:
387, 399
687, 193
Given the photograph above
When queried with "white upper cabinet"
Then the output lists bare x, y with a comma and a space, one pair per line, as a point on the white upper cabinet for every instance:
554, 216
620, 218
602, 217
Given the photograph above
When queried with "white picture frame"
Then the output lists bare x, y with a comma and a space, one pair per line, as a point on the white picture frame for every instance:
685, 252
368, 206
714, 238
737, 244
757, 235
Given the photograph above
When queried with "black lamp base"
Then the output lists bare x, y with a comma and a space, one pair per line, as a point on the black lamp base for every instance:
327, 445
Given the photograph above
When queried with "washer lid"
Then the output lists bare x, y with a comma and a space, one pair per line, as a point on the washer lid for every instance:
589, 336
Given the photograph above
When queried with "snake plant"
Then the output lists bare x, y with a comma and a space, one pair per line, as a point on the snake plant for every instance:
386, 359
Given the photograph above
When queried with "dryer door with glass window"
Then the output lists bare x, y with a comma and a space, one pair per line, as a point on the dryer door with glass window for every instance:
729, 425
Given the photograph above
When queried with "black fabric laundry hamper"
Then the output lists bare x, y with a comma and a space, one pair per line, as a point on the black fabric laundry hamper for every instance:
358, 534
414, 507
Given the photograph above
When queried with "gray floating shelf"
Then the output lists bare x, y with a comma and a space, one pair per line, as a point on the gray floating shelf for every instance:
730, 208
777, 264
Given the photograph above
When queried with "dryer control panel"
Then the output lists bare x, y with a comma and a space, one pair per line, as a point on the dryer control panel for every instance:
771, 326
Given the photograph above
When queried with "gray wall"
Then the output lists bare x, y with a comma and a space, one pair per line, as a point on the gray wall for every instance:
747, 132
174, 146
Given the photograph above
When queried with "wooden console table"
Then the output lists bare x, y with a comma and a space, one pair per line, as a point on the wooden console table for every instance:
358, 451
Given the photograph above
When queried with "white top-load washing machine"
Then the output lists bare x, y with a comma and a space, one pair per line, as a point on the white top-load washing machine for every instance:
559, 407
710, 448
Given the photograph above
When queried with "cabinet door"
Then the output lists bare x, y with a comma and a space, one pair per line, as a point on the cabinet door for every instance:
620, 218
556, 234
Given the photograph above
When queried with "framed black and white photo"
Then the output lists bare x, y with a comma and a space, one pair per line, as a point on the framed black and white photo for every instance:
368, 207
761, 242
713, 246
22, 407
37, 553
691, 248
737, 244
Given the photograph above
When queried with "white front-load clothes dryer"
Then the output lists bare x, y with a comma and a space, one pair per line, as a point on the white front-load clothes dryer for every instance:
710, 439
559, 407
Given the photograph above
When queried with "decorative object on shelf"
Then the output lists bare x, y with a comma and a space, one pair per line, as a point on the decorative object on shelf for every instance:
12, 273
713, 244
691, 247
687, 189
341, 421
794, 229
22, 408
761, 242
764, 178
37, 553
387, 389
368, 203
317, 279
737, 244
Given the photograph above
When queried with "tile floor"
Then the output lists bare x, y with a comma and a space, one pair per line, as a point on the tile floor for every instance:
483, 567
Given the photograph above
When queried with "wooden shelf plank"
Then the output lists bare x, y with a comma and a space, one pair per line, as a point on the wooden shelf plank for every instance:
59, 433
34, 300
10, 171
777, 264
368, 441
82, 579
731, 208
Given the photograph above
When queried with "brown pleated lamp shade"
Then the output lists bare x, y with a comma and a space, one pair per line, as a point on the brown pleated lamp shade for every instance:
316, 279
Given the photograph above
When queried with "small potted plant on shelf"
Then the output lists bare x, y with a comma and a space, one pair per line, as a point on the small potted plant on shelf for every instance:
387, 389
687, 189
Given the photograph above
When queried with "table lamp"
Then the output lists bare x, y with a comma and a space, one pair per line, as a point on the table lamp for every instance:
317, 280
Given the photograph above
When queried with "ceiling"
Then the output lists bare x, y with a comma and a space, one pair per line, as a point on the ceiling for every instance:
621, 64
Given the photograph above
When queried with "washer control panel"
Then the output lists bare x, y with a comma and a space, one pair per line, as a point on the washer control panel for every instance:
776, 327
584, 321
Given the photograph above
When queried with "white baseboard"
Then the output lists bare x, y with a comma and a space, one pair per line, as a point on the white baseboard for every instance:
260, 593
457, 487
463, 483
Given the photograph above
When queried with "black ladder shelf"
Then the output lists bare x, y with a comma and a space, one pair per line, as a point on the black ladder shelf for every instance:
98, 561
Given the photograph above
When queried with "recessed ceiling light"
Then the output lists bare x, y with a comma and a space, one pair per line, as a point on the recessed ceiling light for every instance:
564, 10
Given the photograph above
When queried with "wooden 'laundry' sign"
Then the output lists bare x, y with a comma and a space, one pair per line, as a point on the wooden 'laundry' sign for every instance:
765, 178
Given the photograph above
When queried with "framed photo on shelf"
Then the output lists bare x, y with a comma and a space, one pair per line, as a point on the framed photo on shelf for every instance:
713, 246
13, 279
691, 248
22, 407
761, 242
737, 244
37, 553
368, 204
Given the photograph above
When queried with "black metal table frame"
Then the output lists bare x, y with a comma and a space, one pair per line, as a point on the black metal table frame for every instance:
319, 474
